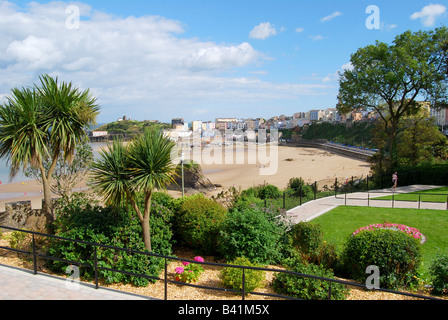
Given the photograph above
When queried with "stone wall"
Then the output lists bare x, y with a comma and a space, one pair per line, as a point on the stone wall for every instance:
20, 215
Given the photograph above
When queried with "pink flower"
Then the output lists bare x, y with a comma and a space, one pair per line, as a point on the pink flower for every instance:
179, 270
185, 263
199, 259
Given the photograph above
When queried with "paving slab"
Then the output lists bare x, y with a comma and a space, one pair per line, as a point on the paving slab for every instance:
21, 284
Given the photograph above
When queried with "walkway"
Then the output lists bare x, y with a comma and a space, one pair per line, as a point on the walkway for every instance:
313, 209
20, 284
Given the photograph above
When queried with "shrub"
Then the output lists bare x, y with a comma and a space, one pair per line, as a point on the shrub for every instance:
233, 277
24, 242
163, 199
307, 239
307, 288
396, 254
197, 223
439, 274
269, 192
296, 183
113, 227
245, 201
254, 233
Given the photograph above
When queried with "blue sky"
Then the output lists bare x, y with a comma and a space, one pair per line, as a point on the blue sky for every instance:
199, 59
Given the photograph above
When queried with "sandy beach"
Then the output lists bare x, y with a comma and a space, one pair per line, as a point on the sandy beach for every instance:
308, 163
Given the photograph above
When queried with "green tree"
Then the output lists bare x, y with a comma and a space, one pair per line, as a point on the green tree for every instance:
122, 172
44, 122
389, 79
418, 139
67, 174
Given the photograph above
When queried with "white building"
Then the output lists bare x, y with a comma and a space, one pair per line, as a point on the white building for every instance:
196, 125
317, 115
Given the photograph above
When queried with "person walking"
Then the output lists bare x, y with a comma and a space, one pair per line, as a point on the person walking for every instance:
395, 180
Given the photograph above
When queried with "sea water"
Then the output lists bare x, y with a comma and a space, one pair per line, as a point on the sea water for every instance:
20, 177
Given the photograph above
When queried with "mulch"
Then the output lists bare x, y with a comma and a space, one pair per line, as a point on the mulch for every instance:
210, 278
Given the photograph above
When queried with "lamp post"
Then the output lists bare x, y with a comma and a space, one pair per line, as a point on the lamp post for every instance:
182, 158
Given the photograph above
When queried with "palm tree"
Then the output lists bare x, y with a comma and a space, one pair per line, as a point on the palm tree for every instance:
45, 122
122, 172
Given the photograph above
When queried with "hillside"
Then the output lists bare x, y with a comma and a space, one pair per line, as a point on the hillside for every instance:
358, 135
130, 127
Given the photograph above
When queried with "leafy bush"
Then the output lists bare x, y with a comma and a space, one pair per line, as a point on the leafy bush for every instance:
254, 233
307, 239
396, 254
307, 288
269, 192
233, 277
163, 199
439, 274
296, 183
198, 221
245, 202
113, 227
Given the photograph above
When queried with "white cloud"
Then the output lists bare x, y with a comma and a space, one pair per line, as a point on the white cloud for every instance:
222, 57
263, 31
317, 38
299, 30
331, 16
429, 14
143, 67
333, 77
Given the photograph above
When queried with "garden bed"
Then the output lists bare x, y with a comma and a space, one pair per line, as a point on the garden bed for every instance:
210, 278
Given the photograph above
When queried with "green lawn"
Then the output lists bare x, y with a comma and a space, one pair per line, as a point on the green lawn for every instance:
341, 222
433, 195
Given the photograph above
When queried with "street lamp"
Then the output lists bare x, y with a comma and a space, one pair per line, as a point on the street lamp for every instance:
182, 158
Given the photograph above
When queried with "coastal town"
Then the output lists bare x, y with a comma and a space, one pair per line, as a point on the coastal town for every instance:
180, 129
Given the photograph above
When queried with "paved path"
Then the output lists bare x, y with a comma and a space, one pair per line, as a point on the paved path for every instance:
19, 284
314, 209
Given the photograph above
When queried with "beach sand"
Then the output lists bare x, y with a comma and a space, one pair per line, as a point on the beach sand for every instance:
308, 163
312, 165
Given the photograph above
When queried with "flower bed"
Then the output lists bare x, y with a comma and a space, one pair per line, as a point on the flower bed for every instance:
413, 232
190, 272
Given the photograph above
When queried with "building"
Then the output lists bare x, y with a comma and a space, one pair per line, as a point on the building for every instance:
223, 124
317, 115
177, 121
96, 134
440, 116
196, 125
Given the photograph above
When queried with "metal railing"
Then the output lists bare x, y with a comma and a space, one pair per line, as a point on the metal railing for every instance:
96, 267
393, 198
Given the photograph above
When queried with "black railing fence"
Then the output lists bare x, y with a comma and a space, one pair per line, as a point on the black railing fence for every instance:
34, 253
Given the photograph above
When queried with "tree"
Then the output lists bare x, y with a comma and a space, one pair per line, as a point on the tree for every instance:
67, 174
122, 172
389, 79
417, 140
44, 122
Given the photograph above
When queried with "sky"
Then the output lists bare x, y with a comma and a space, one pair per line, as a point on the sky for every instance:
200, 59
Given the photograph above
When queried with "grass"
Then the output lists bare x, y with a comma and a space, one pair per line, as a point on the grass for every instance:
341, 222
433, 195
